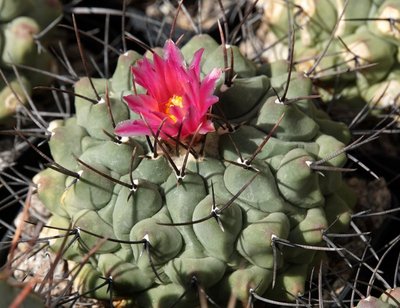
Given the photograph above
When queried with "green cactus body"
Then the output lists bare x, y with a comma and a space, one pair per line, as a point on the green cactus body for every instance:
358, 58
20, 23
391, 297
250, 205
388, 299
10, 291
12, 95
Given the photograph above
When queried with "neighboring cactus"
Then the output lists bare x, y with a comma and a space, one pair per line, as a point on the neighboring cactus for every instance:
362, 61
389, 299
391, 296
246, 195
14, 293
20, 23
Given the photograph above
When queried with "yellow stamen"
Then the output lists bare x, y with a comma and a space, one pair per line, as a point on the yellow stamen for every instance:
173, 101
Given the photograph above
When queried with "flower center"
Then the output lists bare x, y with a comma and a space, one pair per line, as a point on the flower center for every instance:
173, 101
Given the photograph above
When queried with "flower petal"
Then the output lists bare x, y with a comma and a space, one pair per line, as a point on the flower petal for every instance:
195, 64
176, 99
132, 128
141, 103
172, 53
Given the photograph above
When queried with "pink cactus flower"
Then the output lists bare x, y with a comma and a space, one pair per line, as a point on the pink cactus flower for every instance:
175, 95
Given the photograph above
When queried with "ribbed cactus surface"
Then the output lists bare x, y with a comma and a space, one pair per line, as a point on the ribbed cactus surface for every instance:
246, 193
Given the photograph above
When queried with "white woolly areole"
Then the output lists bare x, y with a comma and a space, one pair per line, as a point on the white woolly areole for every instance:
52, 126
135, 183
36, 180
240, 161
101, 101
124, 139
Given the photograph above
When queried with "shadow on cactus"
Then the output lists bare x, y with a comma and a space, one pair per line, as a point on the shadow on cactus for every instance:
170, 193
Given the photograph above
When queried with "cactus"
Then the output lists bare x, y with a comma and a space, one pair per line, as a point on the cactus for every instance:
361, 59
166, 199
12, 293
20, 24
390, 298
